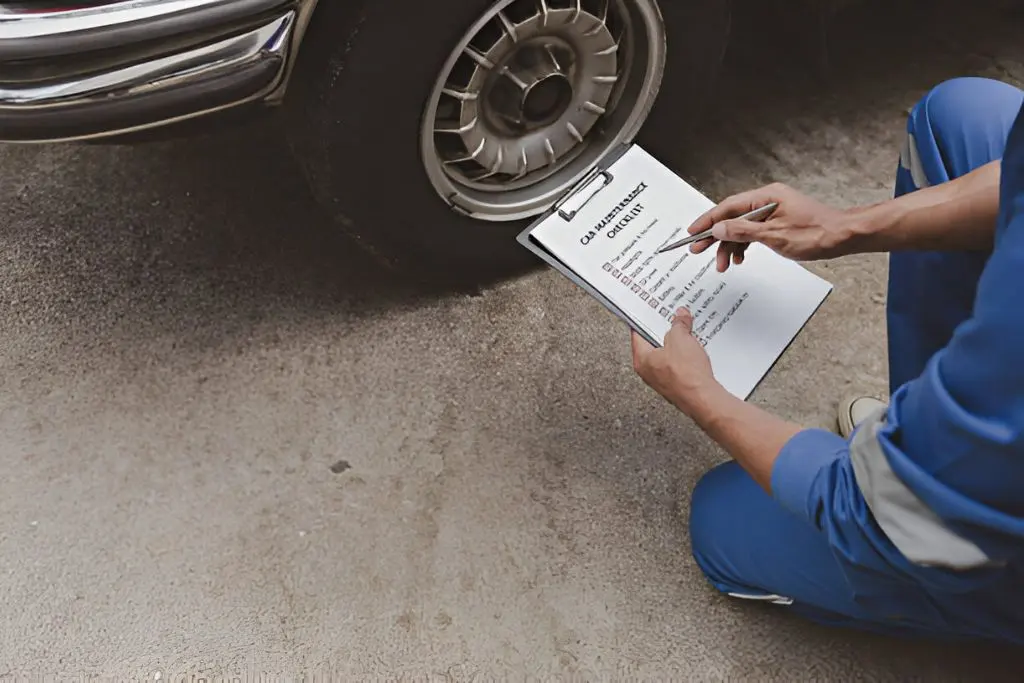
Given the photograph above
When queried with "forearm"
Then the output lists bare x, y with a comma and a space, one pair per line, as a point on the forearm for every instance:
958, 215
752, 436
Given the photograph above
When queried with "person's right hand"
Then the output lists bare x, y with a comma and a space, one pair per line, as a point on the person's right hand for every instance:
800, 228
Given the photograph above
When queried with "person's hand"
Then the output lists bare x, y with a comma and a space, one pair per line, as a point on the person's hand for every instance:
680, 371
800, 228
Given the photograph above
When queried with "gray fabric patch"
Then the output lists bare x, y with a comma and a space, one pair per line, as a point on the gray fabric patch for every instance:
912, 526
910, 159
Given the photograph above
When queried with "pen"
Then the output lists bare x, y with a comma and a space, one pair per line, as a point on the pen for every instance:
755, 215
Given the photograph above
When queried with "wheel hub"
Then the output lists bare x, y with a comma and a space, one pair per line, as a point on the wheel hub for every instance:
533, 94
547, 98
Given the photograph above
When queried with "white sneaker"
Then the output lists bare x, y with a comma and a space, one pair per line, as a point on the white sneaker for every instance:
855, 410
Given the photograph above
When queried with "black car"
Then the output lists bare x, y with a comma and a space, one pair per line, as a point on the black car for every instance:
424, 127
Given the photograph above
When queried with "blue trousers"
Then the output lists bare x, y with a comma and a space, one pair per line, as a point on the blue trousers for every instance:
746, 543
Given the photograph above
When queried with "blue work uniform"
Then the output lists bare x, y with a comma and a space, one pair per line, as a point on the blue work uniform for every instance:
914, 526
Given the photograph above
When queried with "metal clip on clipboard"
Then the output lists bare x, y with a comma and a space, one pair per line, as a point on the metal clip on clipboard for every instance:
589, 187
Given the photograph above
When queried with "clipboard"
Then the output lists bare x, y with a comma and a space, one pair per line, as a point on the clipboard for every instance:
567, 207
765, 305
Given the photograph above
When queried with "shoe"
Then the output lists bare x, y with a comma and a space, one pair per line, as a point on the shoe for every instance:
855, 410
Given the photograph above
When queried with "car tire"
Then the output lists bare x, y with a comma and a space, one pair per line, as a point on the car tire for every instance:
353, 117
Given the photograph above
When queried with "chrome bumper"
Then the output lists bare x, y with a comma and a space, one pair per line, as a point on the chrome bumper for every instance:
135, 64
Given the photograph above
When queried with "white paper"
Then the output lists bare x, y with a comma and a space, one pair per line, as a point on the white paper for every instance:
745, 317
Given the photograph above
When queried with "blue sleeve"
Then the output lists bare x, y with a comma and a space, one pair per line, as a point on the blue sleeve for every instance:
811, 471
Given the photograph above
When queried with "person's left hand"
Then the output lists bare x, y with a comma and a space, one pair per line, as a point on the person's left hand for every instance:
680, 370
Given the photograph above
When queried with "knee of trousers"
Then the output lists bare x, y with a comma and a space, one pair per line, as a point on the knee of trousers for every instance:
953, 119
719, 490
713, 491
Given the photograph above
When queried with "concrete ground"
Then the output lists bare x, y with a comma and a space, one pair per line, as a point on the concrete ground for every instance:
234, 445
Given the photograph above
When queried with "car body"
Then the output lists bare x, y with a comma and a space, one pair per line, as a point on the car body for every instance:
149, 63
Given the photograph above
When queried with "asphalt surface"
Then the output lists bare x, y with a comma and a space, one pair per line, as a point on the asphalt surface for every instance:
234, 444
